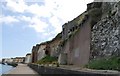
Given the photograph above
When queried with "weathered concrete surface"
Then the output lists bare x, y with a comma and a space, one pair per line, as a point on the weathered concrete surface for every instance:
22, 69
77, 47
71, 71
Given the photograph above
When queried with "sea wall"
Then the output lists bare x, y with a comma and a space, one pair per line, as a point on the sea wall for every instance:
59, 71
77, 36
77, 47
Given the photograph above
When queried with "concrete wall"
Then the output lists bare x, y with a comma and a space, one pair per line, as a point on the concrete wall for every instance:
60, 72
77, 47
69, 27
62, 59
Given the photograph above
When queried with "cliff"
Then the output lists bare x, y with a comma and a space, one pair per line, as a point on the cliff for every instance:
105, 34
93, 34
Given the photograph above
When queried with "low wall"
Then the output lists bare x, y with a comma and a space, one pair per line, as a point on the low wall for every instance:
13, 64
55, 71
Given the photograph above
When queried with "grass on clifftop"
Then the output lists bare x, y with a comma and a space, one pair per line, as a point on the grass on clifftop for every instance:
112, 63
47, 59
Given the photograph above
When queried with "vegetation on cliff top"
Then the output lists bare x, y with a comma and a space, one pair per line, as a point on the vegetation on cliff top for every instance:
112, 63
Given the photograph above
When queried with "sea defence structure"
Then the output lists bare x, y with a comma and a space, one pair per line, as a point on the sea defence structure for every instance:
93, 34
46, 71
51, 48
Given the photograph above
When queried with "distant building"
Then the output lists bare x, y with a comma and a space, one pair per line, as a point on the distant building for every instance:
7, 60
28, 58
19, 59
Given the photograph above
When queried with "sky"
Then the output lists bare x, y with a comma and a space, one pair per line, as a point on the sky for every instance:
25, 23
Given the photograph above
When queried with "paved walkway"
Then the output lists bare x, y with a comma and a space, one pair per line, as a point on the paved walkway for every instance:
24, 70
72, 67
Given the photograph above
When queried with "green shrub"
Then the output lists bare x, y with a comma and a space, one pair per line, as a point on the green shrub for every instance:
112, 63
47, 59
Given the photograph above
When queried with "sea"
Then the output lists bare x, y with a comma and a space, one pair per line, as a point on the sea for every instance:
5, 69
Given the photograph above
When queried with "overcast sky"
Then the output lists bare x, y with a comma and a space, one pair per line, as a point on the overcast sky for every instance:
24, 24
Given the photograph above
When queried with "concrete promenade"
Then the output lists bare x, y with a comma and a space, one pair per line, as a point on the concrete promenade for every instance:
72, 71
22, 69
